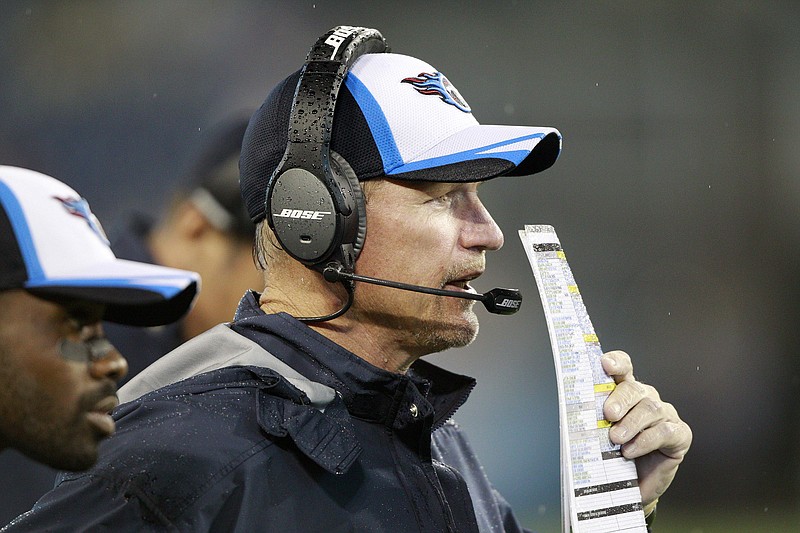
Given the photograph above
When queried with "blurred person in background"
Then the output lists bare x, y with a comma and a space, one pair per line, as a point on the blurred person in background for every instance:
206, 226
58, 280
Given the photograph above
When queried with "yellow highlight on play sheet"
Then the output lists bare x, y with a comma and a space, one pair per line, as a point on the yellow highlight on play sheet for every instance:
590, 338
561, 255
604, 387
573, 289
603, 424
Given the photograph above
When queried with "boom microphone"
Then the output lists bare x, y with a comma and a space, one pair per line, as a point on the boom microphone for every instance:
498, 301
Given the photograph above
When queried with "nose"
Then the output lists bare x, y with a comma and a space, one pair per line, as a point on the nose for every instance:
483, 232
112, 366
109, 363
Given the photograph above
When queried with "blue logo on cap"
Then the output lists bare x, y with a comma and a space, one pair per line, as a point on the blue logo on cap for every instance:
80, 208
438, 84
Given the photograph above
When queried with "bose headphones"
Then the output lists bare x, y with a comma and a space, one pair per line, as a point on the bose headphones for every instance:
314, 203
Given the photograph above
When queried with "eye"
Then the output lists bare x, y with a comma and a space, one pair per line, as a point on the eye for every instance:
448, 194
77, 329
75, 326
80, 320
443, 199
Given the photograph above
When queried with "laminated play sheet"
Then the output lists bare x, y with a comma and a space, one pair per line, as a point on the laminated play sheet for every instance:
599, 488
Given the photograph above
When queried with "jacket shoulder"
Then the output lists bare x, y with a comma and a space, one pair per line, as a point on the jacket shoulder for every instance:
198, 442
177, 444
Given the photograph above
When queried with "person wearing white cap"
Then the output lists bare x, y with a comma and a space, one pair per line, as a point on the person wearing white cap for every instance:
314, 410
58, 281
203, 227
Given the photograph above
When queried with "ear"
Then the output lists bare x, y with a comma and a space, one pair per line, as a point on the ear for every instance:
190, 223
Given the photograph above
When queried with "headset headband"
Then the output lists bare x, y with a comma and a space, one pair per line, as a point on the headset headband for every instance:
326, 66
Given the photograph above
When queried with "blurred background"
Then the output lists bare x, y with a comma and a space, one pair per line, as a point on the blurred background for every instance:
676, 197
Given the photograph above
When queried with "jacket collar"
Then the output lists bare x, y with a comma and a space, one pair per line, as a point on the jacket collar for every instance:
369, 392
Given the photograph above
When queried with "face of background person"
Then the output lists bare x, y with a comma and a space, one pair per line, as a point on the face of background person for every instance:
227, 272
54, 409
224, 262
430, 234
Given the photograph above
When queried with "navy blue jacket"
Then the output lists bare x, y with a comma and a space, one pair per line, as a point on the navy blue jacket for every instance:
309, 438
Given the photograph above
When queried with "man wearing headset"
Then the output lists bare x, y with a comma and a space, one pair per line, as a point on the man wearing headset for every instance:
58, 280
313, 410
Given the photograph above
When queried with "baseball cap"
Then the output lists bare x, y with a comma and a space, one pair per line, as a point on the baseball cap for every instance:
54, 247
396, 117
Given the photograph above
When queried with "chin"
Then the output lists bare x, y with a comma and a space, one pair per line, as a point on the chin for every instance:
70, 451
437, 335
72, 458
80, 456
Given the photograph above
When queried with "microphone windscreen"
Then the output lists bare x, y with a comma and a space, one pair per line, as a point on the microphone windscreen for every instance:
502, 301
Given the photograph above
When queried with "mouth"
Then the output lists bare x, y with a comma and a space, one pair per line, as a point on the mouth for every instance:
99, 417
462, 283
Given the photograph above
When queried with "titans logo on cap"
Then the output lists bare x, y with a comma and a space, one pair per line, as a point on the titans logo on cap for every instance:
438, 84
80, 208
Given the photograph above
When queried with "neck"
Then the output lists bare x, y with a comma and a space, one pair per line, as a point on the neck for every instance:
377, 345
375, 341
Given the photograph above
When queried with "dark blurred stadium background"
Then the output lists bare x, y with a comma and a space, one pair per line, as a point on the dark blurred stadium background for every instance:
677, 195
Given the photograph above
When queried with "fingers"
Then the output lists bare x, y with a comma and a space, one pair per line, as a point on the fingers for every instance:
632, 410
668, 435
626, 396
657, 469
628, 391
617, 364
647, 428
643, 423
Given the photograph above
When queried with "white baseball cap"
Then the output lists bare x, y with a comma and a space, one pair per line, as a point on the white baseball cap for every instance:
54, 247
398, 117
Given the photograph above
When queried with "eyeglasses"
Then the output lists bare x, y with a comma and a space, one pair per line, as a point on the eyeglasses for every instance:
88, 351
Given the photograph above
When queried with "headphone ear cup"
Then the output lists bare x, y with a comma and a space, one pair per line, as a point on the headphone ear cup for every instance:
345, 171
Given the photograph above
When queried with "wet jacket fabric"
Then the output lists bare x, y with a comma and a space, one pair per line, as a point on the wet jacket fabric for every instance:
265, 425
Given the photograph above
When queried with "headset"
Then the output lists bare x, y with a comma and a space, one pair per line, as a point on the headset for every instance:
314, 203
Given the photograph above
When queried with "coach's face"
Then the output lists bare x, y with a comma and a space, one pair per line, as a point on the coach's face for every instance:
430, 234
53, 400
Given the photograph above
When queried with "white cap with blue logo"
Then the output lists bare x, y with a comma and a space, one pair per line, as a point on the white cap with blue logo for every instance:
432, 125
53, 246
398, 117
